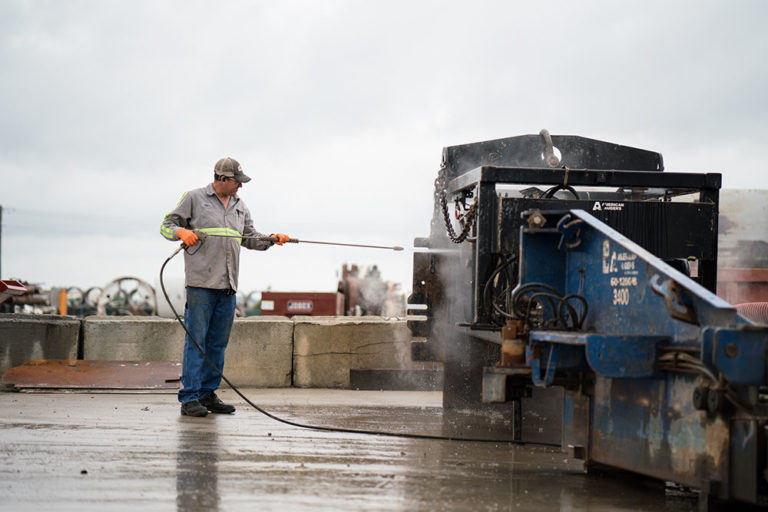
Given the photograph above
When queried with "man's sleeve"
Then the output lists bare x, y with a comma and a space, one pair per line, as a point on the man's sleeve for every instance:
248, 230
178, 218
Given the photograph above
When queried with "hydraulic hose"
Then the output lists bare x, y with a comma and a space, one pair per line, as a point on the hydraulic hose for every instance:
317, 427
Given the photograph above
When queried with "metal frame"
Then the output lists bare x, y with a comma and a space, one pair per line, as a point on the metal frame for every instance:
488, 224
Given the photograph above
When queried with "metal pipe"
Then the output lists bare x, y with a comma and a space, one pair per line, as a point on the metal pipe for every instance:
202, 235
297, 241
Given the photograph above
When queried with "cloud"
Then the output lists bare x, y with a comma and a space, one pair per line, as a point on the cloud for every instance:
339, 110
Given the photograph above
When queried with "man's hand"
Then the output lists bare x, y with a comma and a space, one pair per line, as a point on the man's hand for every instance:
281, 238
187, 236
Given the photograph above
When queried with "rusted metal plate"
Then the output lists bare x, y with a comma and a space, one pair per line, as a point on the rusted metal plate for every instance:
95, 376
650, 426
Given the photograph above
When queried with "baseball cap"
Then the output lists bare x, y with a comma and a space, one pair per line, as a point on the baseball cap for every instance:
232, 169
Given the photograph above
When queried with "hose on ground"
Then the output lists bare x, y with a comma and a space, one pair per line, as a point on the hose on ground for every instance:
319, 427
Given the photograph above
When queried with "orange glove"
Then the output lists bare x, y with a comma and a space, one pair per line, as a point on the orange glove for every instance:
187, 236
281, 238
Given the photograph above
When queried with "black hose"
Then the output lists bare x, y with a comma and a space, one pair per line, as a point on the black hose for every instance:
522, 289
534, 292
577, 320
317, 427
488, 301
550, 193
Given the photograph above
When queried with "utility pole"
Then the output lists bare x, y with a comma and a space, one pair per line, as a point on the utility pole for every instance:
1, 241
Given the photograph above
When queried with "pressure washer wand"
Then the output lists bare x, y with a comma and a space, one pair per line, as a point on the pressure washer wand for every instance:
203, 235
297, 241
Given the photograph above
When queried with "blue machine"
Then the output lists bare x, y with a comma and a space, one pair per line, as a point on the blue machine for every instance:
661, 376
584, 328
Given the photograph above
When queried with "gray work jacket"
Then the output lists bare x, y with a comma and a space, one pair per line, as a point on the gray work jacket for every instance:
214, 264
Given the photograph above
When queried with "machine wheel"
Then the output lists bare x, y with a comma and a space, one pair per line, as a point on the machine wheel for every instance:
701, 398
75, 296
127, 296
715, 400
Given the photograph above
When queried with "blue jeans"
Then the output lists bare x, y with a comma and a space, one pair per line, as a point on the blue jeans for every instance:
209, 315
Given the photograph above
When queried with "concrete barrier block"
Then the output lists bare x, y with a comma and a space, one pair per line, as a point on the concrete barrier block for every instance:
132, 338
327, 348
260, 352
27, 337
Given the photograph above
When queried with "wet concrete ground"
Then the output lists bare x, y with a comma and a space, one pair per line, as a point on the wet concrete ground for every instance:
84, 452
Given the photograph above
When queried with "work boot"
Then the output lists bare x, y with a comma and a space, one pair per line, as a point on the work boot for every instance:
193, 408
215, 405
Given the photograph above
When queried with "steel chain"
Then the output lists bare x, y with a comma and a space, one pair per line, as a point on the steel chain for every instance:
469, 217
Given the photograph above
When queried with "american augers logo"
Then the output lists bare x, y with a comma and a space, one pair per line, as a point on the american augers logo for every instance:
607, 205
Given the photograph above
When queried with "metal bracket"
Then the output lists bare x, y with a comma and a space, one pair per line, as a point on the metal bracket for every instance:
738, 353
570, 230
676, 300
532, 355
495, 383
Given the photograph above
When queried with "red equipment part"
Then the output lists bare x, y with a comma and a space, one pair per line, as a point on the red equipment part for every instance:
9, 288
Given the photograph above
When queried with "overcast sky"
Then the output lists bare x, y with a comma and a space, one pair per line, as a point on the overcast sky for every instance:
338, 110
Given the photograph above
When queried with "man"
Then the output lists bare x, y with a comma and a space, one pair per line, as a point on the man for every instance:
211, 269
